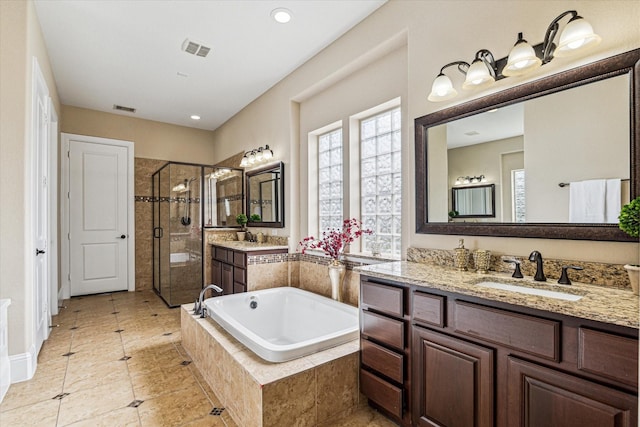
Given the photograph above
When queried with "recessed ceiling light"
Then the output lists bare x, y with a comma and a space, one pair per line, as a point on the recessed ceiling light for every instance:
195, 117
281, 15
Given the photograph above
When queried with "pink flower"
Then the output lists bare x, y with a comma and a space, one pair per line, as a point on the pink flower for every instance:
334, 241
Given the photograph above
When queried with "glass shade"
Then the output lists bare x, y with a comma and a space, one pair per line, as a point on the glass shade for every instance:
577, 35
522, 59
442, 89
478, 76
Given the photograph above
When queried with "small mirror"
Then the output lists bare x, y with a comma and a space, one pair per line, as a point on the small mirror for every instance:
265, 196
223, 196
473, 202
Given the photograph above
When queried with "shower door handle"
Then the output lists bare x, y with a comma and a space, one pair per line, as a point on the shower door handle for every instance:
157, 232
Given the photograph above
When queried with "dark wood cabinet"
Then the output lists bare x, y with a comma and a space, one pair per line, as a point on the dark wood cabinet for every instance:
436, 358
453, 382
229, 270
229, 267
543, 397
385, 348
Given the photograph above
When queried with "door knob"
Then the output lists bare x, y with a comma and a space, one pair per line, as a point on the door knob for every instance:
123, 236
39, 251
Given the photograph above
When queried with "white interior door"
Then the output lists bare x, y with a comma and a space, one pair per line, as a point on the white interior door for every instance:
40, 206
98, 217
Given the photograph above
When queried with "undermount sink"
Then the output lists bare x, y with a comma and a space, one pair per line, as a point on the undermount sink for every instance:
531, 291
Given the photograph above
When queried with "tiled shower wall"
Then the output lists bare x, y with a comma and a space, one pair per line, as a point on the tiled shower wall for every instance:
144, 170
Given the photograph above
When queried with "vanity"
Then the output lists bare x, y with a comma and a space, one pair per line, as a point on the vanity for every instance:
230, 263
431, 336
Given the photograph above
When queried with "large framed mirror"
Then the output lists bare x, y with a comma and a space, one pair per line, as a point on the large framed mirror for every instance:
577, 126
265, 196
223, 195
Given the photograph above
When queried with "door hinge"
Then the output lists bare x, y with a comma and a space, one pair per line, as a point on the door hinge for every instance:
68, 236
68, 154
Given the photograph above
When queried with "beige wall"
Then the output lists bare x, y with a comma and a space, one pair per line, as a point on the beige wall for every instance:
436, 32
20, 41
151, 140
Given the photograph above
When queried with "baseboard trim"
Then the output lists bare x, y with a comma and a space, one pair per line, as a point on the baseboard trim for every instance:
23, 365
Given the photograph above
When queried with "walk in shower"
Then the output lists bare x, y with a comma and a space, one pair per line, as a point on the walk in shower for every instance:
186, 197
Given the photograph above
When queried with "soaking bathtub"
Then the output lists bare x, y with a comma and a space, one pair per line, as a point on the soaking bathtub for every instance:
281, 324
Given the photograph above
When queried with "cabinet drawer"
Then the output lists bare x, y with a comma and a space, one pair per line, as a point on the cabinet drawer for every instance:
608, 355
384, 298
381, 392
240, 275
387, 362
428, 309
221, 254
533, 335
384, 329
239, 259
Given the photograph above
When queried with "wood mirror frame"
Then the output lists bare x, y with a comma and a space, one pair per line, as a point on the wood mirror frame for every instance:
277, 168
626, 63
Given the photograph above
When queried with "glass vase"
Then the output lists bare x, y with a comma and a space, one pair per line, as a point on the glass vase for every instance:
337, 272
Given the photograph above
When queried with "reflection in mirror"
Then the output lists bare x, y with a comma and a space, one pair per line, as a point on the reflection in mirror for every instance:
574, 128
223, 196
473, 202
571, 136
265, 196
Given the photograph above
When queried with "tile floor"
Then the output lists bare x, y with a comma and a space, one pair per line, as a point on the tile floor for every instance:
116, 360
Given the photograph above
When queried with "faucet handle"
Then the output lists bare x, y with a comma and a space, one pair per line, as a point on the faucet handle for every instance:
517, 273
564, 277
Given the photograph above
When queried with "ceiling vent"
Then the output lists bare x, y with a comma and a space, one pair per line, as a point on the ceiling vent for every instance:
123, 108
195, 48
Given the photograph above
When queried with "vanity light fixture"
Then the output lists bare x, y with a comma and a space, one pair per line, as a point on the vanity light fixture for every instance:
482, 71
442, 87
256, 156
523, 58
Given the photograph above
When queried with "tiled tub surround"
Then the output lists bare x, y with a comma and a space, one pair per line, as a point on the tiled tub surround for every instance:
319, 389
599, 303
595, 273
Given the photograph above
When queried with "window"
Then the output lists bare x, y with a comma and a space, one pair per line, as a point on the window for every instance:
381, 180
330, 188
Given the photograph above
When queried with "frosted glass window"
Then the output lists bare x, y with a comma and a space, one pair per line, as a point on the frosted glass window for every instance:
330, 183
519, 213
380, 181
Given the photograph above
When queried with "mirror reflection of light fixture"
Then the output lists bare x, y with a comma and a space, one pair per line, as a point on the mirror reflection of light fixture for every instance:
462, 180
256, 156
523, 58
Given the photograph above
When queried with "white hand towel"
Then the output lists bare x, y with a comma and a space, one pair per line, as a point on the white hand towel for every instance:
613, 202
587, 201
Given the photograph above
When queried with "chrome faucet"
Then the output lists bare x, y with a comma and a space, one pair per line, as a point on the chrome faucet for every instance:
197, 307
536, 257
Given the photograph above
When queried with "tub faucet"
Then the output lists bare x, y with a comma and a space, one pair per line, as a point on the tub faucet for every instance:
536, 257
198, 308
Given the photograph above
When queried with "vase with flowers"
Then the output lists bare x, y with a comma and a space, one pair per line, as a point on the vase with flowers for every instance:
333, 243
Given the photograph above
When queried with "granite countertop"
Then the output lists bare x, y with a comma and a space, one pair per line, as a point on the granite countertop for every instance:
599, 303
247, 246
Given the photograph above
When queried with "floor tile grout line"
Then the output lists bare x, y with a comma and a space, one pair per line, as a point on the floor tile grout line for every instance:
124, 352
66, 369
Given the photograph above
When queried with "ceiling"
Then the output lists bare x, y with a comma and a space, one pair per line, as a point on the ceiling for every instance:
107, 52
